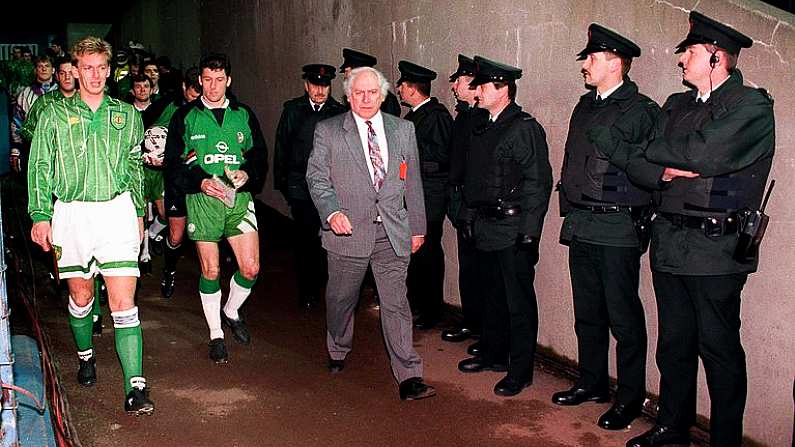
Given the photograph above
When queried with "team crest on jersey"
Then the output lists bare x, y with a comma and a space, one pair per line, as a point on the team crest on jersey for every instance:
58, 252
240, 137
222, 147
73, 120
191, 228
118, 119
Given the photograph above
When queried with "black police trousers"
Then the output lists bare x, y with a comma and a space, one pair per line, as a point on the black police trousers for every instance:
469, 285
604, 283
510, 321
310, 258
699, 316
425, 278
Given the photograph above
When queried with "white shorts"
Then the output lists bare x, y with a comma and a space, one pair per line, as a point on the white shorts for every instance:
90, 237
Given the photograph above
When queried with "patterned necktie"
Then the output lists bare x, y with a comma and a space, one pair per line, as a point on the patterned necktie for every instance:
379, 173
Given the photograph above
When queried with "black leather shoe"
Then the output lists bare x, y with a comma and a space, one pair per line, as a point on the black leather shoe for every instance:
659, 436
87, 372
476, 365
510, 387
96, 327
457, 334
335, 366
414, 389
576, 396
474, 349
425, 323
145, 267
167, 284
238, 327
619, 416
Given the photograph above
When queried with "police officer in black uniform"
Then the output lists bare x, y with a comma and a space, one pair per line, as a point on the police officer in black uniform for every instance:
355, 59
603, 208
433, 125
294, 139
717, 145
508, 182
468, 280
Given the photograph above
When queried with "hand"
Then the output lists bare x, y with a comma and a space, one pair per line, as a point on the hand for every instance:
140, 229
416, 243
467, 229
14, 160
212, 189
238, 177
525, 241
340, 224
672, 173
41, 233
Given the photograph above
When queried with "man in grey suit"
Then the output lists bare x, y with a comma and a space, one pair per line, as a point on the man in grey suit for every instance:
364, 178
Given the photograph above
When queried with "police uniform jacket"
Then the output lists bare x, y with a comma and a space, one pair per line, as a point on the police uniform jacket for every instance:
508, 162
729, 140
592, 178
294, 139
434, 125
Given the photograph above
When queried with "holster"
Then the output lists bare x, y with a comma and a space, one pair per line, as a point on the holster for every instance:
641, 218
753, 225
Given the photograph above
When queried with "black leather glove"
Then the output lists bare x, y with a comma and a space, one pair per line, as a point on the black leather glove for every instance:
467, 229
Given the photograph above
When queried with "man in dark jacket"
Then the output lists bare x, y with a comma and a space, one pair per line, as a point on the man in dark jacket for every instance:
717, 143
602, 209
433, 125
294, 137
469, 284
508, 183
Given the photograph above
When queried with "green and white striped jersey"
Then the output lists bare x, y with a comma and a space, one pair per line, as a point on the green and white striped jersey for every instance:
35, 110
82, 155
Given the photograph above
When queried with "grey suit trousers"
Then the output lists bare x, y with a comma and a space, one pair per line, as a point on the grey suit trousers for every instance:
342, 294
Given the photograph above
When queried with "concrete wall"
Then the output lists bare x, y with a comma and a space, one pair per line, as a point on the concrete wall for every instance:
269, 41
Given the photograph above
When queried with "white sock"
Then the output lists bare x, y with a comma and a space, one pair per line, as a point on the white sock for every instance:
237, 296
156, 227
211, 304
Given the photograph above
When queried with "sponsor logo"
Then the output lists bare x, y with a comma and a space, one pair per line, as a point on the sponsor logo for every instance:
240, 137
73, 120
118, 119
222, 147
230, 159
198, 137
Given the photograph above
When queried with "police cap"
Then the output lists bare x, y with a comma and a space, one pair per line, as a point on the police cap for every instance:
706, 30
354, 59
412, 72
490, 71
319, 74
466, 67
603, 39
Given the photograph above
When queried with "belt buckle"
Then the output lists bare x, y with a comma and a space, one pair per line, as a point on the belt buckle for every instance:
712, 226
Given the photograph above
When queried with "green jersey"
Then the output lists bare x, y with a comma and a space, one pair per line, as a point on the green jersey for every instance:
78, 154
35, 110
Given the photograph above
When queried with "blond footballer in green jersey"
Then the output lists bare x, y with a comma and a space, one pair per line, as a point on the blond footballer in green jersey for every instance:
86, 152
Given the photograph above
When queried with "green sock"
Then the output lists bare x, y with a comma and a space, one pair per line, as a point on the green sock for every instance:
247, 283
129, 344
81, 324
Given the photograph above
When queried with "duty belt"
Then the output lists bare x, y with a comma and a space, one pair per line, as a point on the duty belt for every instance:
604, 209
712, 226
500, 212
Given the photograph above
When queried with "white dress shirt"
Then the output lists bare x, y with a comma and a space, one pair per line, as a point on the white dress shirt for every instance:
415, 108
313, 104
706, 95
609, 91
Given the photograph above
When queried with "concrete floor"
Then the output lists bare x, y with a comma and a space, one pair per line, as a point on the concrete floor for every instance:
277, 391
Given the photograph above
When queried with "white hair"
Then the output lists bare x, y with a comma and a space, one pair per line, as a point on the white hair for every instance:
347, 84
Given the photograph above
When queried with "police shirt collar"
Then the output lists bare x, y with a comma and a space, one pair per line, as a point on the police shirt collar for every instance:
706, 95
415, 108
312, 104
609, 91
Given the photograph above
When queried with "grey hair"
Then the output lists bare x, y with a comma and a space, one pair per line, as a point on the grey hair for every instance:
347, 84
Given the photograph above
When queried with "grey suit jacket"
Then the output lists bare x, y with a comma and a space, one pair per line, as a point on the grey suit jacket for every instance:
339, 180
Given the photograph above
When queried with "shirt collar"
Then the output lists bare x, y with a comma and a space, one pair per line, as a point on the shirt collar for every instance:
222, 106
706, 95
609, 91
313, 104
415, 108
376, 120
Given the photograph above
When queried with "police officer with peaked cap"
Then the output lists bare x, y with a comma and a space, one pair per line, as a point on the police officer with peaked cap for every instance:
354, 59
294, 139
603, 207
716, 144
507, 183
433, 125
468, 270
